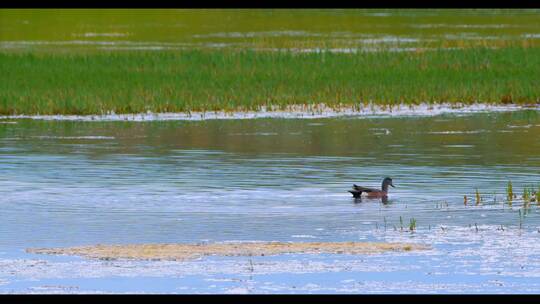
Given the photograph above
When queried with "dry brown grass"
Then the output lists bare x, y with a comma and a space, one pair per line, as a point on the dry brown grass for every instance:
193, 251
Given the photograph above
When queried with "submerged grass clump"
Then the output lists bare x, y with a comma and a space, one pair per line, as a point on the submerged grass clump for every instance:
238, 80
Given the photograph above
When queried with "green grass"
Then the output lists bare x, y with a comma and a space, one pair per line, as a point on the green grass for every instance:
204, 80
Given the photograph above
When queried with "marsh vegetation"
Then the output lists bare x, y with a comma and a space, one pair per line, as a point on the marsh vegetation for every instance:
212, 60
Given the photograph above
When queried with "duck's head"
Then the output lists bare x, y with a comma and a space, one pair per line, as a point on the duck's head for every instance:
387, 182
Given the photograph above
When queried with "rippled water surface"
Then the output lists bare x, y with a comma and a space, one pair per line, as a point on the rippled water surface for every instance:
74, 183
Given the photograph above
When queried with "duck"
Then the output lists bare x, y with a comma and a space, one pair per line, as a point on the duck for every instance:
373, 193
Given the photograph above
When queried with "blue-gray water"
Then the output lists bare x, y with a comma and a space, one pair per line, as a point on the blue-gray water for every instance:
82, 183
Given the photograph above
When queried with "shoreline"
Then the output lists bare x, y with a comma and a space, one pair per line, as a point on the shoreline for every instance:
296, 112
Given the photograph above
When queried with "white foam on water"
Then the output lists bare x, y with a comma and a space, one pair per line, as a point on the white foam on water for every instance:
254, 134
459, 146
74, 137
296, 111
458, 132
259, 34
90, 34
390, 39
379, 14
522, 126
535, 35
477, 26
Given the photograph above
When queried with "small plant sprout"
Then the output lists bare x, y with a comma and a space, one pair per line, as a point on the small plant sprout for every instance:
478, 197
251, 268
401, 222
526, 195
465, 200
509, 191
412, 225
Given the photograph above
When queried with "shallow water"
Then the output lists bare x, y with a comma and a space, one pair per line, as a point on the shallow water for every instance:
67, 183
300, 30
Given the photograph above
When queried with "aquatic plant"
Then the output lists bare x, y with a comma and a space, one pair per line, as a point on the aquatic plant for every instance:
478, 197
401, 222
412, 224
526, 195
465, 200
510, 193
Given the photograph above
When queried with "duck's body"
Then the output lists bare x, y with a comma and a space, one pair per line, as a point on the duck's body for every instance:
372, 193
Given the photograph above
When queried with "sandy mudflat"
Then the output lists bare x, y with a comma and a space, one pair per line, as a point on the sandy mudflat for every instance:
192, 251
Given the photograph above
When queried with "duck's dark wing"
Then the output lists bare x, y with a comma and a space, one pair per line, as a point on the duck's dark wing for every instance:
355, 193
357, 190
363, 189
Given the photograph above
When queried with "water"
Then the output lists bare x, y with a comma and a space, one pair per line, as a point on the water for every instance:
68, 183
265, 30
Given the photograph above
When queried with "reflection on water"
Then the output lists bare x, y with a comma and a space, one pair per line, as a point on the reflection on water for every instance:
71, 183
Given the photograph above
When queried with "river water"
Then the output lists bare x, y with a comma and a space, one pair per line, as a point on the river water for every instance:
68, 183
